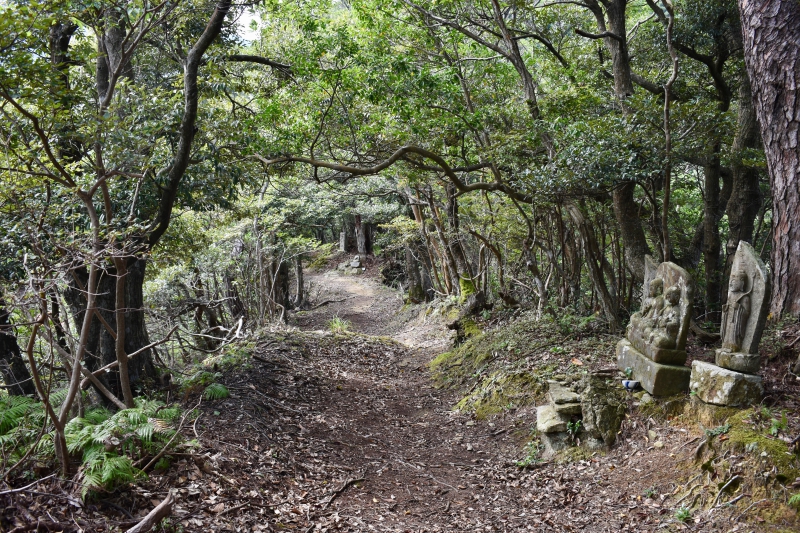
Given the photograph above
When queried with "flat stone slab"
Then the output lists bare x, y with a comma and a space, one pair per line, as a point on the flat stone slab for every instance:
720, 386
747, 363
559, 393
548, 420
655, 378
568, 409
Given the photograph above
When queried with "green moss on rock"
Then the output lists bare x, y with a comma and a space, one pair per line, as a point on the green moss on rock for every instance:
467, 287
501, 391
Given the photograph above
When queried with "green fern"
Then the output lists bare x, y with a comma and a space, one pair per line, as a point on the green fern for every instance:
110, 443
106, 471
794, 501
12, 411
216, 391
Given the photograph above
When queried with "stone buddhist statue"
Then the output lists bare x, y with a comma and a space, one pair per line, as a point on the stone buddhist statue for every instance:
643, 320
655, 345
736, 312
664, 334
733, 380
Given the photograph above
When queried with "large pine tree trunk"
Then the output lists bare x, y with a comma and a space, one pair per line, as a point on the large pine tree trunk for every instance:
771, 32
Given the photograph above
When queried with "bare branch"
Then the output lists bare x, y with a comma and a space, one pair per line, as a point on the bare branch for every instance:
599, 35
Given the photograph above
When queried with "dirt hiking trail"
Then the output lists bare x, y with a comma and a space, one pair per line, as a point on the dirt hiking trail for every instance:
347, 433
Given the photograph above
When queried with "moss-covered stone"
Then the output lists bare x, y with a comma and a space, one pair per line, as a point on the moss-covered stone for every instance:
501, 391
467, 287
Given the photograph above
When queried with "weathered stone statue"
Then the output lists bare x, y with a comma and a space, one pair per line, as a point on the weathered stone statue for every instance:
735, 312
664, 333
732, 381
745, 312
655, 347
652, 305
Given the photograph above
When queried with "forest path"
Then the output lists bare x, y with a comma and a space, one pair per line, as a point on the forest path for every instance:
328, 432
372, 309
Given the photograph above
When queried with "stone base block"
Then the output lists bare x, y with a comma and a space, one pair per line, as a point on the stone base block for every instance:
662, 356
655, 378
747, 363
720, 386
559, 393
548, 420
555, 442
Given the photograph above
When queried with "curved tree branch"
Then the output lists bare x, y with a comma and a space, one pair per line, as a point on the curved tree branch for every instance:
402, 155
187, 129
599, 35
261, 61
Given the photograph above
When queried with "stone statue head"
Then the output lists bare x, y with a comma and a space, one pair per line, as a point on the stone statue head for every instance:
656, 287
673, 295
738, 281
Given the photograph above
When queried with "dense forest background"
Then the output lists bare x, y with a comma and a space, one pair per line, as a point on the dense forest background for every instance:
165, 181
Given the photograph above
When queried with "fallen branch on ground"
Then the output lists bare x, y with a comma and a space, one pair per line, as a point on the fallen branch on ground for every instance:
326, 302
161, 511
340, 490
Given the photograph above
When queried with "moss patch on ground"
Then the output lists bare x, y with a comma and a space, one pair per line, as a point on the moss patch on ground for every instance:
744, 436
508, 366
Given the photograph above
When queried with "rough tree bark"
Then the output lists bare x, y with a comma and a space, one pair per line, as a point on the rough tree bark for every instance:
771, 33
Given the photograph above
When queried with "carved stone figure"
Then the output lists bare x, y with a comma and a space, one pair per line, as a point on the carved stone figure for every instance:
655, 347
644, 319
732, 381
736, 312
744, 313
664, 334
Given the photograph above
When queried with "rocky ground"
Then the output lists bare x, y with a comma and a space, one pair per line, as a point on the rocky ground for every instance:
327, 432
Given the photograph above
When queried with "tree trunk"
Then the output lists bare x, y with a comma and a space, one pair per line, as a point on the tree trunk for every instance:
593, 263
15, 373
361, 238
771, 32
711, 240
416, 291
626, 213
101, 344
746, 197
618, 44
299, 289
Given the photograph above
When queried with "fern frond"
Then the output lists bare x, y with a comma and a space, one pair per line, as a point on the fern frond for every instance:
12, 410
145, 432
216, 391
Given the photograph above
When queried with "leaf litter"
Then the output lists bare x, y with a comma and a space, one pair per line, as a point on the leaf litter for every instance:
347, 433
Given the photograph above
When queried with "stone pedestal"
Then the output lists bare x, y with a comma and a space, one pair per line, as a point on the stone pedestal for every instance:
721, 386
656, 378
748, 363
